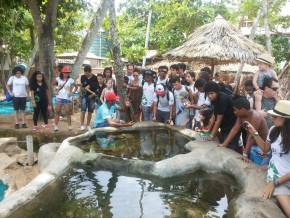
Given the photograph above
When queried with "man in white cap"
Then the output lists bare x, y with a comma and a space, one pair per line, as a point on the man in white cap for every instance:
162, 104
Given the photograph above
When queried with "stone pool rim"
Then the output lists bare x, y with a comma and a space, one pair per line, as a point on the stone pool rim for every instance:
202, 156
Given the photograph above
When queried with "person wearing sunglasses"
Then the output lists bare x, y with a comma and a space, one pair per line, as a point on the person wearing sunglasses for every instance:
267, 99
278, 142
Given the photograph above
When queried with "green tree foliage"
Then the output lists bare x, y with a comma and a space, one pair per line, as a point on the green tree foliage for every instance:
70, 23
280, 44
172, 22
14, 32
18, 33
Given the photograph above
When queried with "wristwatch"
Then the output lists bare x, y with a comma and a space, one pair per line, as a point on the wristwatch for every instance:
255, 134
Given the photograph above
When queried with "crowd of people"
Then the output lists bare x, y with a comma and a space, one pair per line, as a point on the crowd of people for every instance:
252, 120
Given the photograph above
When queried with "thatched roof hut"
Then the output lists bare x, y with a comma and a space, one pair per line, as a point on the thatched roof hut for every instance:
233, 68
216, 43
284, 82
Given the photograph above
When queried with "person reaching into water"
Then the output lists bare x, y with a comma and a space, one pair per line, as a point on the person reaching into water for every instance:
106, 114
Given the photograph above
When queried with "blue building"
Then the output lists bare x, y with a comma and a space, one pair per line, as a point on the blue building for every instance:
101, 45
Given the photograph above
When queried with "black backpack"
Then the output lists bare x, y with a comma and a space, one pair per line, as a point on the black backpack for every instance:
226, 89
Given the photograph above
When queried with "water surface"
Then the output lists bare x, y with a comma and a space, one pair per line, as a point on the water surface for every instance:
89, 192
147, 144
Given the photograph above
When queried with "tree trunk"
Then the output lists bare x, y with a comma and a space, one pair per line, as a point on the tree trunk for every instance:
251, 37
46, 54
45, 27
266, 25
118, 63
3, 79
91, 34
32, 57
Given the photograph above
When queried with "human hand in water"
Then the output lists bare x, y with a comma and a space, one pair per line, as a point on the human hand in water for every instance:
268, 190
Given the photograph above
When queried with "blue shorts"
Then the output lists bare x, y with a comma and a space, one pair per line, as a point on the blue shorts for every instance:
255, 156
62, 101
87, 104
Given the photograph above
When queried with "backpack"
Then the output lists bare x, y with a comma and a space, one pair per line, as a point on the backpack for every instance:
225, 89
167, 93
143, 82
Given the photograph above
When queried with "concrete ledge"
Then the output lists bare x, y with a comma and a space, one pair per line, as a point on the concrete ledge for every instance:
25, 194
202, 156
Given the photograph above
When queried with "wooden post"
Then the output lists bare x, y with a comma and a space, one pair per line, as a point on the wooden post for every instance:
30, 155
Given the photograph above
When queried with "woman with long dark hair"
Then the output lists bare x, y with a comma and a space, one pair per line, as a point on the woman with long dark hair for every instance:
40, 98
278, 142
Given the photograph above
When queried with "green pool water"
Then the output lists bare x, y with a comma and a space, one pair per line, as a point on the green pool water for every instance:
3, 188
147, 144
86, 192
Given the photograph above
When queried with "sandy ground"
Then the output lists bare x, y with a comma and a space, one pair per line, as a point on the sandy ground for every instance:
21, 175
7, 122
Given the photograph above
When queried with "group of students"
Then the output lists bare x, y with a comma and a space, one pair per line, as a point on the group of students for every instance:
255, 123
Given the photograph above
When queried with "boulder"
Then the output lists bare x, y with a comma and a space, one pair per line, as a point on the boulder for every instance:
9, 146
5, 161
46, 154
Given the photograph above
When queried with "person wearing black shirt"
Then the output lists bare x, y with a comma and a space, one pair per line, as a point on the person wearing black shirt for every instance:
224, 115
89, 84
40, 98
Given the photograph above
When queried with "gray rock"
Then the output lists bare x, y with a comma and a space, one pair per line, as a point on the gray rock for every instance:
46, 154
5, 161
9, 146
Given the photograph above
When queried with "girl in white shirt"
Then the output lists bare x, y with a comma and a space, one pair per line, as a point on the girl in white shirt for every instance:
17, 86
64, 90
278, 142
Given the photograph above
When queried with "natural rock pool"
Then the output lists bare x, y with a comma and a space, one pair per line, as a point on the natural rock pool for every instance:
89, 192
146, 144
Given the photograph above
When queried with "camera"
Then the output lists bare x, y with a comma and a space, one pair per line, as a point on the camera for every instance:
244, 125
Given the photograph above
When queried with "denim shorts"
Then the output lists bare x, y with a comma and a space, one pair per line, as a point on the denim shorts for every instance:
87, 104
62, 101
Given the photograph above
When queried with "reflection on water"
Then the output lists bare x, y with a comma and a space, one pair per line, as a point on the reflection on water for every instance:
87, 192
150, 144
